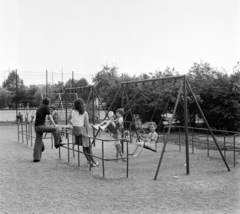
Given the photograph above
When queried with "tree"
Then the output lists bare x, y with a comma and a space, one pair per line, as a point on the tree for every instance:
217, 91
13, 82
5, 98
16, 86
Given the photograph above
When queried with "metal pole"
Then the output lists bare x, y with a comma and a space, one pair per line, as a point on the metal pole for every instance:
93, 109
210, 130
169, 129
186, 124
72, 78
62, 74
46, 82
16, 93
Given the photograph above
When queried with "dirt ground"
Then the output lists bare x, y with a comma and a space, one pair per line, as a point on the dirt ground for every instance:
56, 186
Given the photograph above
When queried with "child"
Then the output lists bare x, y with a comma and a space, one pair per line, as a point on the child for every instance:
54, 113
148, 142
107, 121
79, 119
118, 126
19, 117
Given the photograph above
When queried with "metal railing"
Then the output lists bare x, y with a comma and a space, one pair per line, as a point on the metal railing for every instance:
25, 134
225, 146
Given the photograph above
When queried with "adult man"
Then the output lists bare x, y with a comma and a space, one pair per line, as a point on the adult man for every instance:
40, 128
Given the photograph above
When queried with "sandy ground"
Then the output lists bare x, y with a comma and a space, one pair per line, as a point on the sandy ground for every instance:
56, 186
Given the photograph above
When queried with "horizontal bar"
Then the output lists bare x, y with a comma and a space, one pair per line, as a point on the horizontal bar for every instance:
155, 79
82, 87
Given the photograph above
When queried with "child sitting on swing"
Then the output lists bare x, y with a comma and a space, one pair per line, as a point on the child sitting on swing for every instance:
148, 142
110, 123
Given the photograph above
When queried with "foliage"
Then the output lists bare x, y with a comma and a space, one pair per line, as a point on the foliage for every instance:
217, 93
5, 98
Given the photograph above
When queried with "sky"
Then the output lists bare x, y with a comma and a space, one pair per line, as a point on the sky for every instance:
137, 36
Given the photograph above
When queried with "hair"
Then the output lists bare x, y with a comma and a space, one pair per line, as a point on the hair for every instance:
46, 101
153, 124
120, 111
79, 105
110, 114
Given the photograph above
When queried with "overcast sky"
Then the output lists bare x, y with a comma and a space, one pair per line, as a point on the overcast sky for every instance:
135, 35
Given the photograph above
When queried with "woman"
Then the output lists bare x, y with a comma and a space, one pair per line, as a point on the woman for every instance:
80, 122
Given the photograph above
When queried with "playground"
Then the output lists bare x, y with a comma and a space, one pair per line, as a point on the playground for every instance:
170, 179
56, 186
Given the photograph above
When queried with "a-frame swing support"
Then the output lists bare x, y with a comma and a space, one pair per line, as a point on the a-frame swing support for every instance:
186, 84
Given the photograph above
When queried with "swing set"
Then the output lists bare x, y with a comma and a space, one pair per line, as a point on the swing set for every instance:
126, 90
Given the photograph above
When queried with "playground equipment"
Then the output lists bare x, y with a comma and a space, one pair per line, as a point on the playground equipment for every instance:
180, 81
183, 85
182, 89
62, 102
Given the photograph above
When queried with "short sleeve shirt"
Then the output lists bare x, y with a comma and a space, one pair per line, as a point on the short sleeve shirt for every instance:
41, 114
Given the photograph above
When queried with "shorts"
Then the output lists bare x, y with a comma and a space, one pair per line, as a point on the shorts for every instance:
117, 143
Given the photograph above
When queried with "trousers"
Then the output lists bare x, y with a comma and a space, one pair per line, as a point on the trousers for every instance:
38, 146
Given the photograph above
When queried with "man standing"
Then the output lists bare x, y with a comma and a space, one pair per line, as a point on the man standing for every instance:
40, 128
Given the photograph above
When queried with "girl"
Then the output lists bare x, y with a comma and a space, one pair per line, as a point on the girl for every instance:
148, 142
119, 127
108, 120
80, 122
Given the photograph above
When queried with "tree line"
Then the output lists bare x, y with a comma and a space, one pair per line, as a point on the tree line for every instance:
217, 92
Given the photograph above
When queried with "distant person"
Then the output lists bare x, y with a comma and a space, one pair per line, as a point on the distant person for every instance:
40, 128
19, 117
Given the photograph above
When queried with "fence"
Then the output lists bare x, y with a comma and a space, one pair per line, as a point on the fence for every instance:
224, 144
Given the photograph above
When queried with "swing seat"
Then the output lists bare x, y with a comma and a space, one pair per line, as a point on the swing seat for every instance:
149, 148
112, 129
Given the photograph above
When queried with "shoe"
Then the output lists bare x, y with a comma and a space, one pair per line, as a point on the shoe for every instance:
43, 148
95, 127
94, 164
60, 144
36, 160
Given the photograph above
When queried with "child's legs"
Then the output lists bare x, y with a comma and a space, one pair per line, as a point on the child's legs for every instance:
85, 151
118, 149
138, 144
107, 122
89, 151
103, 123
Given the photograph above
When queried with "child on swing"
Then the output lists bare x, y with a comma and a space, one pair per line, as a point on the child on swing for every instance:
148, 142
112, 123
108, 120
115, 126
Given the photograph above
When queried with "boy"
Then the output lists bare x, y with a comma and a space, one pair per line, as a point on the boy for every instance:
148, 142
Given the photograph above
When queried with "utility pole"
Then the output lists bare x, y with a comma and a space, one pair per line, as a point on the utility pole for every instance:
62, 75
72, 78
16, 93
46, 81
